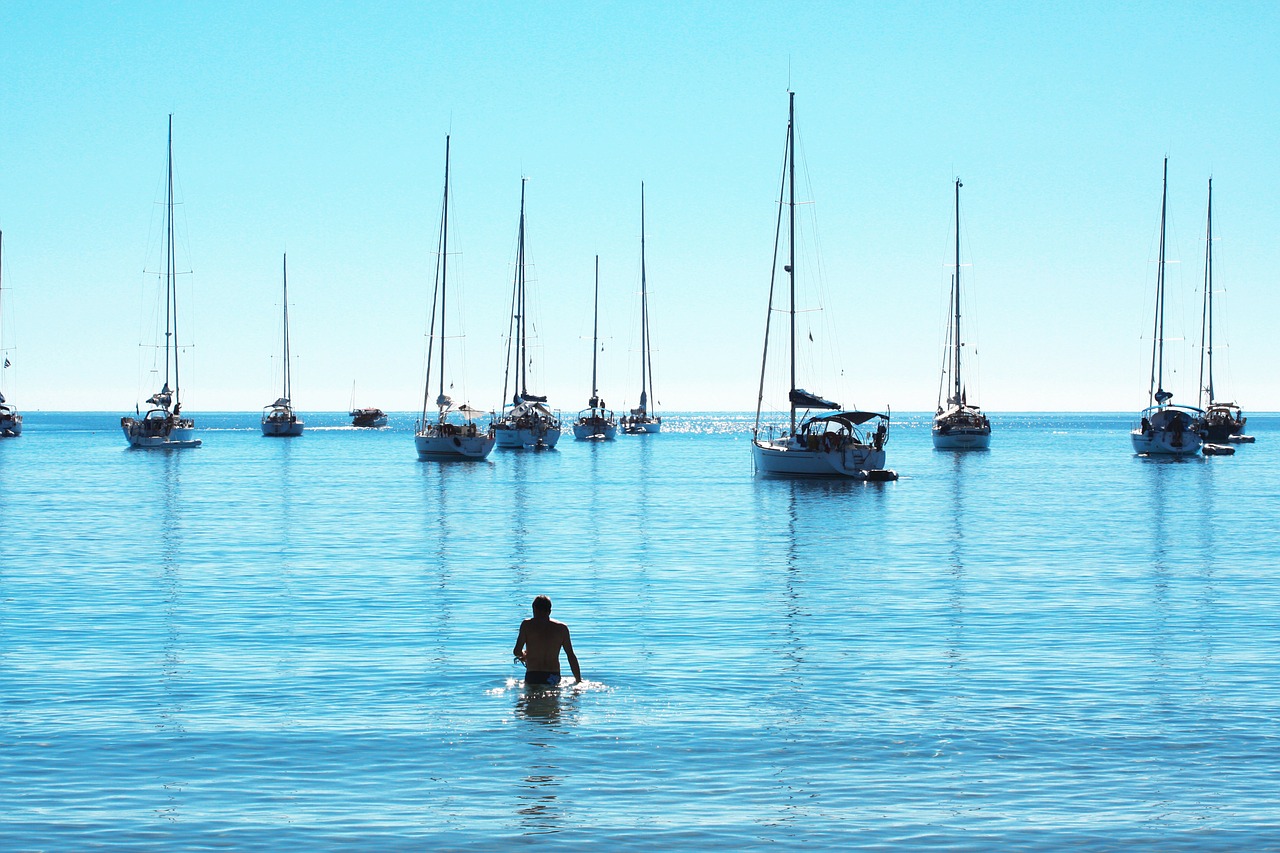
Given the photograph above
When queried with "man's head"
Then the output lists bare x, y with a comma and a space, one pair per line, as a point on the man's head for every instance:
542, 606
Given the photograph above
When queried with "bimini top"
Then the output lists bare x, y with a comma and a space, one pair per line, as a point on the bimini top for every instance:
850, 419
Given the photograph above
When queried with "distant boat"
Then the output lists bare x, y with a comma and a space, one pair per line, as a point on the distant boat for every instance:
958, 424
595, 422
369, 417
279, 418
525, 421
641, 420
1221, 421
163, 425
10, 419
839, 444
1165, 429
446, 437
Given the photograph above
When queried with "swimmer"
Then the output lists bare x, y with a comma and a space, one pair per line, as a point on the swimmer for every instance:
539, 643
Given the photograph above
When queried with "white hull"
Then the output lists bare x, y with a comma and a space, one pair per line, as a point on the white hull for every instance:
533, 437
142, 435
282, 427
962, 440
595, 432
1160, 443
643, 427
787, 458
10, 427
444, 447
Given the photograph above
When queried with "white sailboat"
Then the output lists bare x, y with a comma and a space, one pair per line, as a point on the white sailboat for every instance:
958, 424
641, 420
452, 434
595, 422
1164, 429
163, 426
840, 444
10, 419
279, 418
525, 421
1222, 421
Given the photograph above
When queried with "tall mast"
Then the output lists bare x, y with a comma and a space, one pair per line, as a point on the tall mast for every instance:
444, 266
644, 318
170, 275
1206, 321
956, 305
595, 334
521, 373
288, 391
1157, 344
791, 266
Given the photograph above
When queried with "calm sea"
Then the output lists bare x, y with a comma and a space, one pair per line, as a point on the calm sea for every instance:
305, 644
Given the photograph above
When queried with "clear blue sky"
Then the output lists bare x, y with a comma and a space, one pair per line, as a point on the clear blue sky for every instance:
318, 129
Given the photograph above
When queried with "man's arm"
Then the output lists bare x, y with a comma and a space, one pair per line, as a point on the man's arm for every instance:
518, 651
573, 659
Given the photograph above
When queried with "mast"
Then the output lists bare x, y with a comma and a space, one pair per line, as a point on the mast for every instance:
171, 289
646, 374
444, 268
595, 334
956, 305
521, 371
288, 390
1206, 320
1156, 390
791, 265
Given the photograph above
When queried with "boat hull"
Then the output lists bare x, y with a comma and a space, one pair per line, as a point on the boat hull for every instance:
10, 426
537, 437
592, 431
961, 439
151, 434
282, 428
432, 445
789, 459
645, 427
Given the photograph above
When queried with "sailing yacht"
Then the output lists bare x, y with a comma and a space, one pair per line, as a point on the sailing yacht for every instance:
1165, 428
525, 420
163, 426
641, 420
841, 444
10, 420
279, 418
1221, 421
595, 422
452, 433
958, 425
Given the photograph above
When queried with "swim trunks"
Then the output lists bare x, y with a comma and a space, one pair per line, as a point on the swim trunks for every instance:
535, 676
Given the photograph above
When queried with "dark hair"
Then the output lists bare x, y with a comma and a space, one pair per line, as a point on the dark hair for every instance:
542, 604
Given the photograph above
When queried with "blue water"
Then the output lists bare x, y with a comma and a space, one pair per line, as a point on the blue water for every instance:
304, 644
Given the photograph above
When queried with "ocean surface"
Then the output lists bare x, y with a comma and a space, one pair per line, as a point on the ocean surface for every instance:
305, 644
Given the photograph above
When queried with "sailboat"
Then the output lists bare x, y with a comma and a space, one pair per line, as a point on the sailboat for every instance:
641, 420
1165, 428
163, 425
452, 433
840, 444
958, 425
10, 420
1221, 421
279, 418
595, 421
525, 420
367, 417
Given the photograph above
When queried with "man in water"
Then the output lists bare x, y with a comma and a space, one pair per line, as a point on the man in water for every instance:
539, 643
